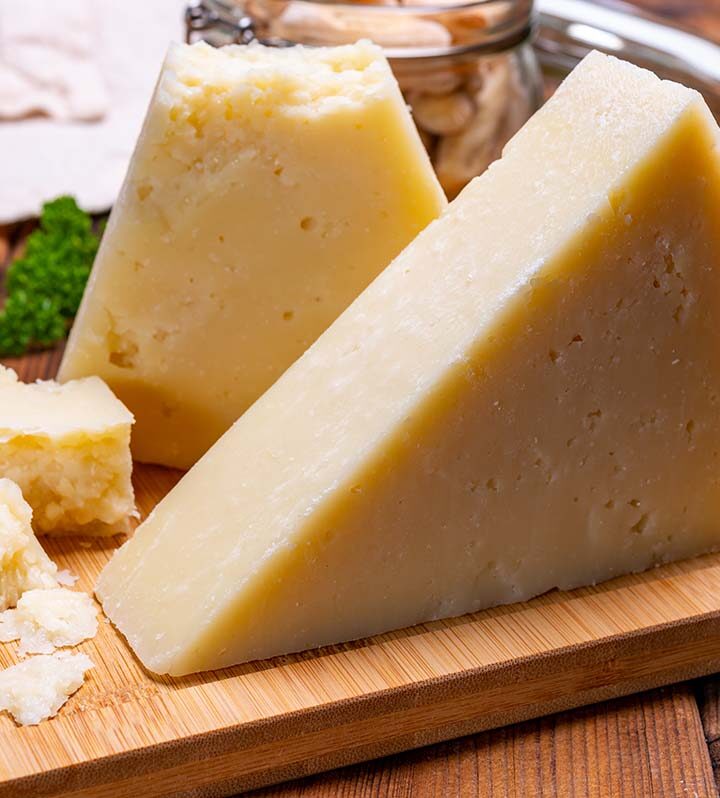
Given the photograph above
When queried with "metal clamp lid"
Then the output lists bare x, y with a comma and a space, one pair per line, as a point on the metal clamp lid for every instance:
202, 17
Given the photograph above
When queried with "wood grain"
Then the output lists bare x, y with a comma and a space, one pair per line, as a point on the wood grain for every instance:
647, 745
709, 701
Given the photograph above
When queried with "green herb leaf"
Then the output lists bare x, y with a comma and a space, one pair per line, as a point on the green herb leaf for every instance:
45, 286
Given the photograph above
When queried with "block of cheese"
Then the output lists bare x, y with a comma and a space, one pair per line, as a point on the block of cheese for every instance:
46, 619
23, 563
68, 448
34, 690
268, 188
526, 399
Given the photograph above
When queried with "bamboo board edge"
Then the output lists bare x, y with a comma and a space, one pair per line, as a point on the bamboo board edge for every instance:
305, 742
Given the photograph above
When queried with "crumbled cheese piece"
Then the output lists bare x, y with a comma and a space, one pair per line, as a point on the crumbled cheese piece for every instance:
68, 448
66, 578
48, 619
35, 689
23, 563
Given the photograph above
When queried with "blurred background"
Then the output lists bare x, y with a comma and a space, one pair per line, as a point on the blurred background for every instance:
76, 75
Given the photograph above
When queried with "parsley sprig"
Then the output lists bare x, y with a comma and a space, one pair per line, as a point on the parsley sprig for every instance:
44, 287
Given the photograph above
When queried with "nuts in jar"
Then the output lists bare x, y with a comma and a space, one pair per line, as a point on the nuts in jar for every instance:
467, 71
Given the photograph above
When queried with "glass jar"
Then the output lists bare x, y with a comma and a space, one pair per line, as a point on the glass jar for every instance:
467, 71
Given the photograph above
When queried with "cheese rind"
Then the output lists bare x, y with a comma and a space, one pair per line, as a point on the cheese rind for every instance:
268, 188
68, 448
23, 563
46, 619
34, 690
527, 398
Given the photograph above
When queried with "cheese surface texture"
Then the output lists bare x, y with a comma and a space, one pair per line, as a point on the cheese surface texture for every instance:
68, 448
34, 690
23, 563
48, 619
268, 188
527, 398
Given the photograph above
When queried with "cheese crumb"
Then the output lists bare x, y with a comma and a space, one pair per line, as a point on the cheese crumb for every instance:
68, 448
48, 619
35, 689
66, 578
23, 563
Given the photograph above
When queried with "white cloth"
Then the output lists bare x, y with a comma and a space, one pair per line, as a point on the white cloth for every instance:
47, 61
43, 157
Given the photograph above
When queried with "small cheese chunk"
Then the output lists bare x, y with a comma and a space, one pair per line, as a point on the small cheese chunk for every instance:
66, 578
23, 563
48, 619
35, 689
527, 398
68, 448
268, 188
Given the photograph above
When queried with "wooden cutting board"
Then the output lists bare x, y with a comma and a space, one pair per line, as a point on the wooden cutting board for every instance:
128, 734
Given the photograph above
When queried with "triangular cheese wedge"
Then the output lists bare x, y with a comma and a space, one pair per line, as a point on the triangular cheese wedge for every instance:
527, 398
268, 188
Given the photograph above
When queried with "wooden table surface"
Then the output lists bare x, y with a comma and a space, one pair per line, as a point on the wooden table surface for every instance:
664, 743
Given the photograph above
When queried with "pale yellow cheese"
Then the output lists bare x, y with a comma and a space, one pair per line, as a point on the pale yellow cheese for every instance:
23, 563
527, 398
34, 690
68, 448
46, 619
268, 188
